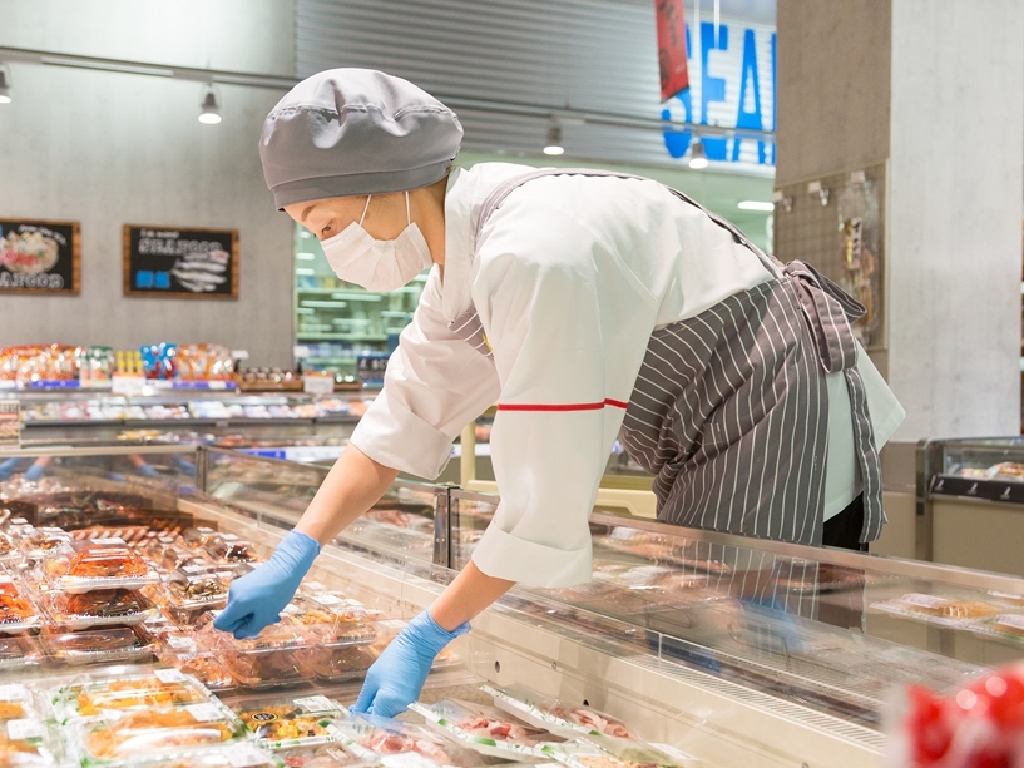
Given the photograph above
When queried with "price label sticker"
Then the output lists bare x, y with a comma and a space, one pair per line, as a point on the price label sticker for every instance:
327, 599
26, 729
192, 568
168, 676
290, 610
127, 385
13, 692
206, 712
407, 760
316, 704
300, 351
181, 643
240, 354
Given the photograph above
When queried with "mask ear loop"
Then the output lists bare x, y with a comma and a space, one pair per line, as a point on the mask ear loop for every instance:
365, 207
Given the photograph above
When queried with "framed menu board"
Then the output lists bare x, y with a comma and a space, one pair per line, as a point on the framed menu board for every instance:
168, 262
40, 256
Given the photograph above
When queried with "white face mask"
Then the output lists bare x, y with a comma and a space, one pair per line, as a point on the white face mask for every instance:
379, 266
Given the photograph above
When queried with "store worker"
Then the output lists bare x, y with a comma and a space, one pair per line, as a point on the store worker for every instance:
587, 306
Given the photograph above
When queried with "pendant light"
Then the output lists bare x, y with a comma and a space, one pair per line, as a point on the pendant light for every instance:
698, 157
5, 86
210, 109
553, 145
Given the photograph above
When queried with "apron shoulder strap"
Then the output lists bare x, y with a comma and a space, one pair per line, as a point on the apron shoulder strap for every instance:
494, 200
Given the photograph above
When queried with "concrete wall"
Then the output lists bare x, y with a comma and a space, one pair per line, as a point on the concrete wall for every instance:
955, 215
109, 149
833, 87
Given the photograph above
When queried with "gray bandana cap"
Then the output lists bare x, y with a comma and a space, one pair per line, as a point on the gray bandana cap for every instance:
356, 132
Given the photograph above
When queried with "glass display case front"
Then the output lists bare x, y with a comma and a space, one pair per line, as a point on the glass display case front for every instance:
707, 649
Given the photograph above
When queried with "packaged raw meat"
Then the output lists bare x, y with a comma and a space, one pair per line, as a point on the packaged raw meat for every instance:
488, 730
370, 737
558, 717
17, 612
103, 607
324, 756
151, 733
106, 697
290, 722
96, 646
86, 566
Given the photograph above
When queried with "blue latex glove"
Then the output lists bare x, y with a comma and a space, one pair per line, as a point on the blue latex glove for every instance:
147, 471
396, 678
257, 599
34, 473
8, 466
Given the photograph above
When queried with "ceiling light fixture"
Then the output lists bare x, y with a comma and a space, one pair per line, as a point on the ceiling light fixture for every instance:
210, 109
755, 205
5, 86
553, 146
698, 157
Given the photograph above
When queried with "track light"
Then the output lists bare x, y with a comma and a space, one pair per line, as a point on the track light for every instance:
698, 157
5, 86
210, 113
553, 146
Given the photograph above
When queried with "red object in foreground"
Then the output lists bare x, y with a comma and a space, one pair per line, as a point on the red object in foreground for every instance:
675, 76
562, 406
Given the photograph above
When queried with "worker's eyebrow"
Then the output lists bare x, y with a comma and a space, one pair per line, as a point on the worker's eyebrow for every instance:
305, 213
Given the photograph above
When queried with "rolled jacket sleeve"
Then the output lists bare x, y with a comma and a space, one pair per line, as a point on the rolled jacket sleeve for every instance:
434, 385
566, 362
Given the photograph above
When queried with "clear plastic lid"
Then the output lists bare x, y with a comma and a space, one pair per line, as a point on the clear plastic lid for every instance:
291, 722
205, 667
18, 652
102, 607
24, 742
488, 730
388, 740
16, 702
7, 547
158, 732
233, 756
17, 612
101, 697
325, 756
109, 564
228, 549
38, 543
192, 587
556, 716
95, 646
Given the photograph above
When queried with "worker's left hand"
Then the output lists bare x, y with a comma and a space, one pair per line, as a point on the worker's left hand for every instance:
396, 678
34, 473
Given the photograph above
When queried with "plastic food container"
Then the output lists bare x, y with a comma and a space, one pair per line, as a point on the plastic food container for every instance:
233, 756
327, 756
9, 552
603, 598
17, 612
16, 702
103, 607
290, 722
558, 717
18, 652
228, 549
163, 689
109, 564
23, 743
97, 646
39, 543
193, 590
937, 610
488, 730
136, 736
394, 743
205, 667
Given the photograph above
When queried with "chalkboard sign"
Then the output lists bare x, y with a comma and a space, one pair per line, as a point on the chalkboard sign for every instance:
40, 257
164, 262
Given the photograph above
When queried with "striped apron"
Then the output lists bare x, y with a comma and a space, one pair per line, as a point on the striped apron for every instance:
729, 411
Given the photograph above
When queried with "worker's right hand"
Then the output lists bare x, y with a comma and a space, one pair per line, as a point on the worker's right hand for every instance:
34, 473
257, 599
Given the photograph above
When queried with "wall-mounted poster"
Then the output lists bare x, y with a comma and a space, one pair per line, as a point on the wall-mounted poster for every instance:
165, 262
38, 256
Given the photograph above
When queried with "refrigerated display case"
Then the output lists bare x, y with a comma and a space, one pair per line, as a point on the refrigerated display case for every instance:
735, 652
69, 417
970, 502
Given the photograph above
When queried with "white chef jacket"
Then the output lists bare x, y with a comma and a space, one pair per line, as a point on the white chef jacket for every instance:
570, 277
